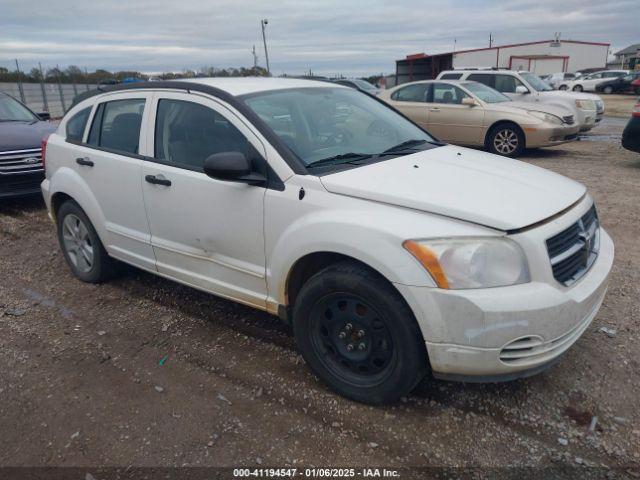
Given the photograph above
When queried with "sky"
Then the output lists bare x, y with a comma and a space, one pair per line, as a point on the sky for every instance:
328, 37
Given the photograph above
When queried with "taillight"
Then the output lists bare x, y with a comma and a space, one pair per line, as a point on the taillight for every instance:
43, 146
636, 110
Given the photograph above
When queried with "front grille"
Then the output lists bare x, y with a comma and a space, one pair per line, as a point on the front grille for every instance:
568, 119
18, 162
573, 251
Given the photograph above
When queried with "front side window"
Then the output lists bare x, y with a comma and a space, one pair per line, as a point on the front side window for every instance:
333, 126
484, 78
187, 133
446, 93
13, 111
508, 83
116, 125
411, 93
76, 124
535, 82
486, 94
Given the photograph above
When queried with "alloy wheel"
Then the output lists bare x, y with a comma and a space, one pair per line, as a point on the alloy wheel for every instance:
77, 243
506, 141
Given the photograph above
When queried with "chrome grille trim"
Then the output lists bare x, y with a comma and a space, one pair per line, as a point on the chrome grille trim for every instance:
16, 162
575, 249
568, 119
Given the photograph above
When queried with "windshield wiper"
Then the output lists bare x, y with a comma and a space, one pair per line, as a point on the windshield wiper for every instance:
404, 145
336, 159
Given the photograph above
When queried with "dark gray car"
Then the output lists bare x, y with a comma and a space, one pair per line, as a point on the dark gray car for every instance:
21, 134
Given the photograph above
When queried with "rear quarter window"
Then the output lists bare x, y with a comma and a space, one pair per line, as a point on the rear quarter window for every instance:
76, 125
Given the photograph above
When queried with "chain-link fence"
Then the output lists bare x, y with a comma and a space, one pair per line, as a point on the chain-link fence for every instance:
55, 98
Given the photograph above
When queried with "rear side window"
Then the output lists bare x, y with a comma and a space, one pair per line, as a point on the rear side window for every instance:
411, 93
187, 133
451, 76
116, 125
488, 80
76, 124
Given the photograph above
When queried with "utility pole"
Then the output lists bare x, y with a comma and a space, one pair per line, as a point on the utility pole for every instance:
490, 40
255, 57
263, 24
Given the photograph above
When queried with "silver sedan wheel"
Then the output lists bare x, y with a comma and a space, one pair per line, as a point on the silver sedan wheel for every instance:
505, 142
77, 243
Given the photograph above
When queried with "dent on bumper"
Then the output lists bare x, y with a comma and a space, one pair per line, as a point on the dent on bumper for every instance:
466, 330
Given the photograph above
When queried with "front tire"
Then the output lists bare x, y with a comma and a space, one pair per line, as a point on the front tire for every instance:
82, 249
608, 90
358, 335
578, 88
506, 139
562, 87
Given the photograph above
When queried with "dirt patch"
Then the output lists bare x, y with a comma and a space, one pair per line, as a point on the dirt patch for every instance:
618, 105
142, 371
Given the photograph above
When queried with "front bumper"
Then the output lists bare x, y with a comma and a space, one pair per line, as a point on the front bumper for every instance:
466, 330
20, 185
549, 136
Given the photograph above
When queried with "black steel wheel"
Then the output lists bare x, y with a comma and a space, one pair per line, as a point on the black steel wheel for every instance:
358, 334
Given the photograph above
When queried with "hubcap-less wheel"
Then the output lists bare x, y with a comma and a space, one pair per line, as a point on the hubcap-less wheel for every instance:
351, 339
77, 243
505, 141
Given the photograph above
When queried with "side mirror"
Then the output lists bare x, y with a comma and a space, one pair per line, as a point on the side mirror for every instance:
44, 116
522, 89
232, 167
470, 102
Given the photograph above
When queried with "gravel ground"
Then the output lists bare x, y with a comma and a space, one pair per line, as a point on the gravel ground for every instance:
145, 372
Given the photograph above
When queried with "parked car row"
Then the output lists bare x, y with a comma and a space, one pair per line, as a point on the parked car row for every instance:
523, 86
589, 82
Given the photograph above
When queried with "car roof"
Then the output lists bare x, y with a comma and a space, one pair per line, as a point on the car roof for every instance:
237, 86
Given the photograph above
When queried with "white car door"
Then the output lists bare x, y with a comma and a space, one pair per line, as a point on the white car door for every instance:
108, 161
205, 232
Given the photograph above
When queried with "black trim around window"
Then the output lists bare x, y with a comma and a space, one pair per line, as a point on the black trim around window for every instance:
283, 150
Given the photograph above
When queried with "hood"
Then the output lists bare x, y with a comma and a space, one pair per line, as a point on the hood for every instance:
571, 95
466, 184
23, 135
556, 110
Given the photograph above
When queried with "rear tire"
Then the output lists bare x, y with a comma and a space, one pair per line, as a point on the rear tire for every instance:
358, 334
578, 88
608, 90
562, 87
82, 249
506, 139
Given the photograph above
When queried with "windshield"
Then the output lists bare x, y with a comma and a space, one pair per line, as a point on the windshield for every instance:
13, 111
535, 82
333, 126
363, 84
486, 94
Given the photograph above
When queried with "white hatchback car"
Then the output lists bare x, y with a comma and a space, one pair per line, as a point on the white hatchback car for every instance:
390, 253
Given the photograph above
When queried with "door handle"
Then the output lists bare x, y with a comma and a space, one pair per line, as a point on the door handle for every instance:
158, 180
84, 161
434, 109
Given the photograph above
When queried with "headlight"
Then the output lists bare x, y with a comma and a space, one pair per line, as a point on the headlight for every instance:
471, 262
547, 117
585, 105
